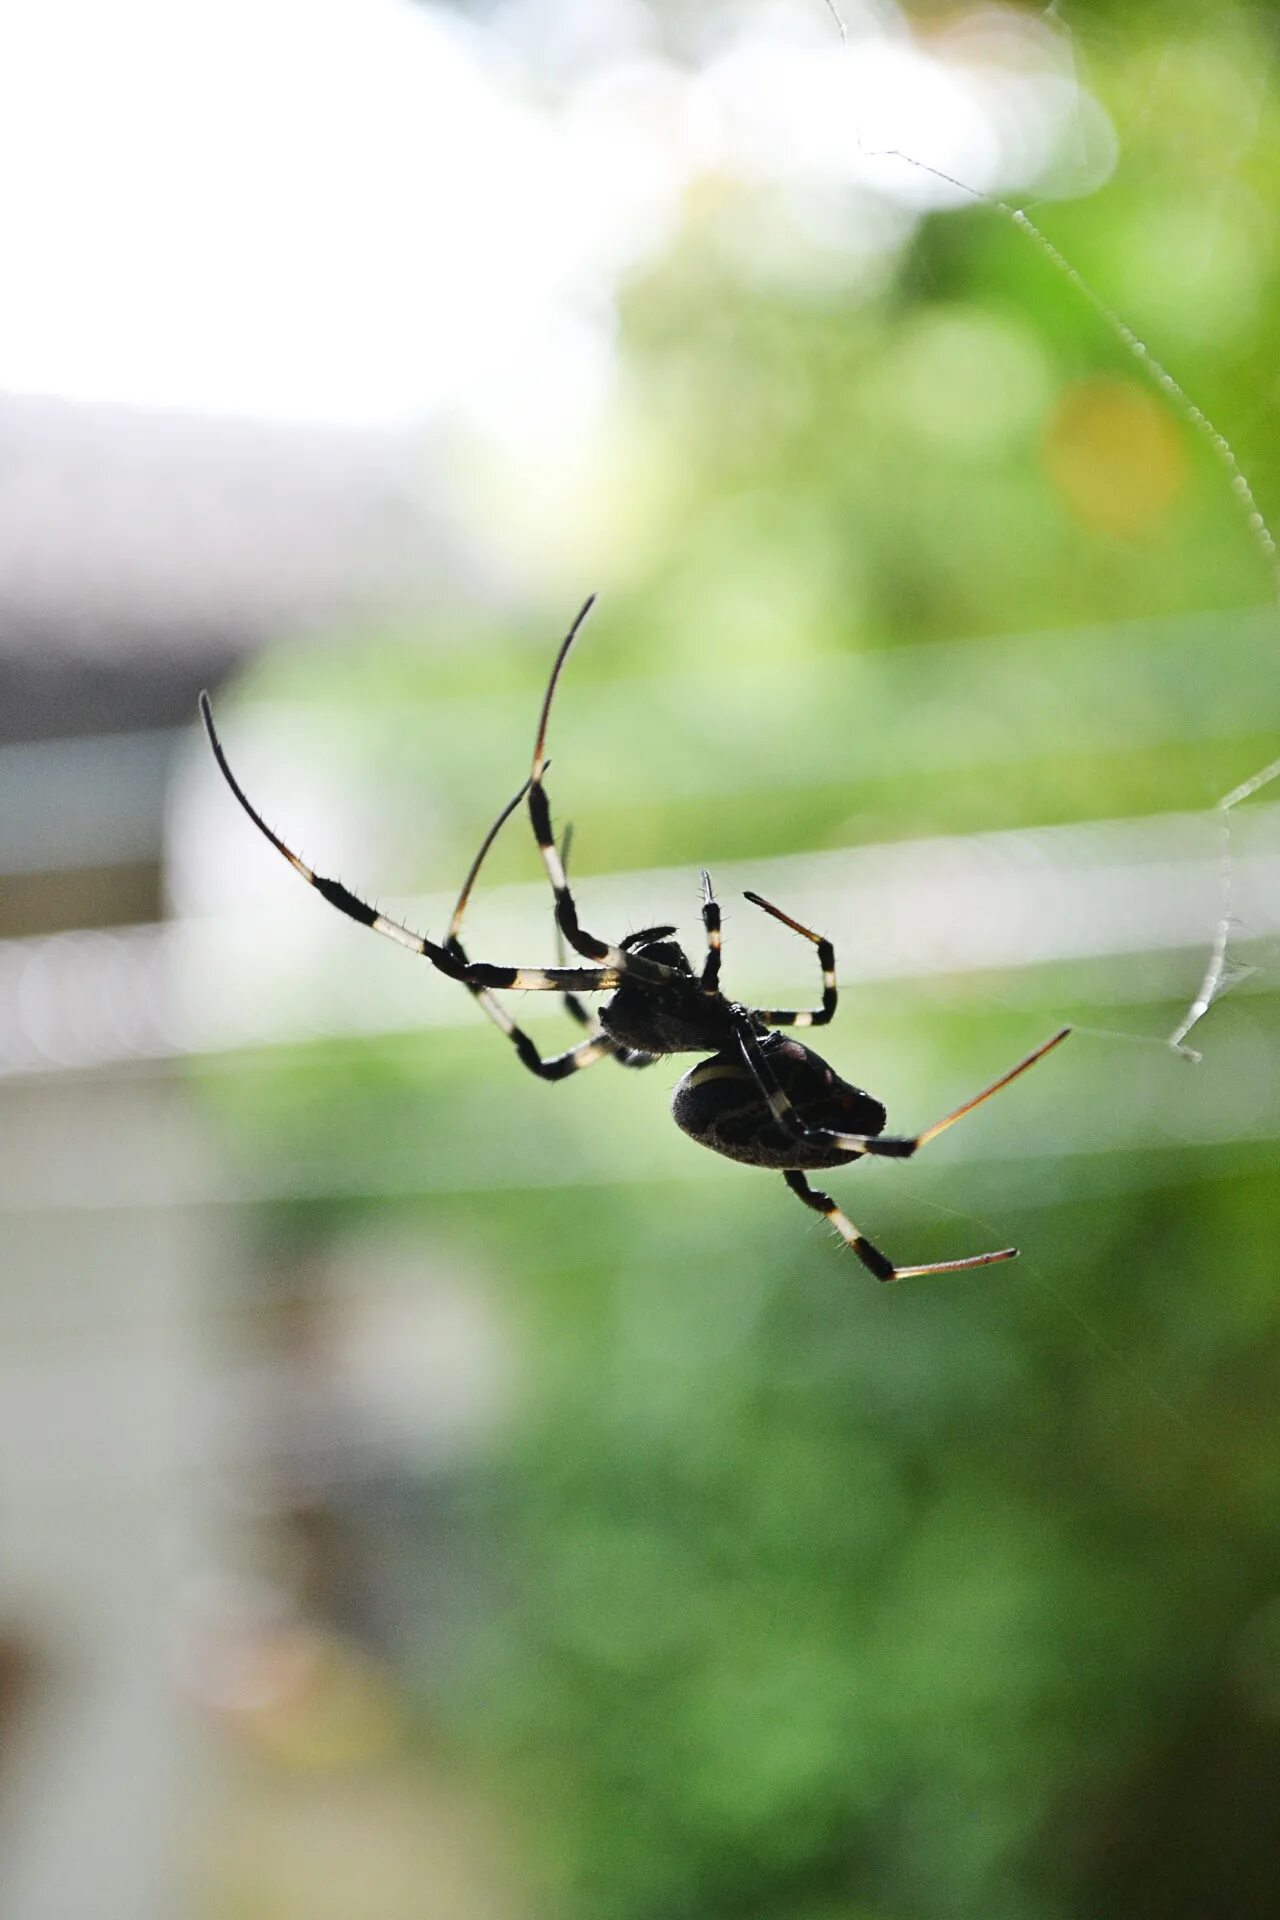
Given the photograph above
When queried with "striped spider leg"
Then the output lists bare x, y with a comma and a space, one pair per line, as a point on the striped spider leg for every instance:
805, 1016
825, 1146
574, 1007
872, 1258
781, 1016
711, 921
559, 1066
625, 1056
470, 973
583, 942
893, 1146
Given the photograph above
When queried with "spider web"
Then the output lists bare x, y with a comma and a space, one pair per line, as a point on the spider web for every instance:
1221, 972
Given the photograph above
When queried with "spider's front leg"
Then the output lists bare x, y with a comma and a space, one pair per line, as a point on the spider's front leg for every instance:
625, 1056
889, 1145
556, 1066
603, 952
470, 973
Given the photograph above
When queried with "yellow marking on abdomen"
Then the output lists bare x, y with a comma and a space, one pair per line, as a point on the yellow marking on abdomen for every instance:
715, 1070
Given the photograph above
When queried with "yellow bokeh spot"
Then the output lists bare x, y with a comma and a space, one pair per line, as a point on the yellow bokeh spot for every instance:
1115, 456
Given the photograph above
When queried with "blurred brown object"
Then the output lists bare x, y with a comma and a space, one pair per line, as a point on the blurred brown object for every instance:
19, 1684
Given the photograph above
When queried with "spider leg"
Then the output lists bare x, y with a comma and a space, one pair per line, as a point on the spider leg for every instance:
558, 1066
470, 973
603, 952
870, 1255
453, 940
572, 1005
711, 921
891, 1145
464, 896
625, 1056
806, 1017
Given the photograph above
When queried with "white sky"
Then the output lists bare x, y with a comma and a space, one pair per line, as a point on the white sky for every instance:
350, 211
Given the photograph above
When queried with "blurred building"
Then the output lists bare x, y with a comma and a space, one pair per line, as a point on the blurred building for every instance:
141, 556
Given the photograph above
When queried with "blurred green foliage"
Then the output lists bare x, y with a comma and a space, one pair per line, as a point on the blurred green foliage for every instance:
827, 1602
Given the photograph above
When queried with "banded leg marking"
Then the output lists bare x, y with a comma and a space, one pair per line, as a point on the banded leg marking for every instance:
331, 890
870, 1255
572, 1005
625, 1056
556, 1066
811, 1016
889, 1145
711, 921
470, 973
583, 942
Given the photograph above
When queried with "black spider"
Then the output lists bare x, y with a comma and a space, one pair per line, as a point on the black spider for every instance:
761, 1097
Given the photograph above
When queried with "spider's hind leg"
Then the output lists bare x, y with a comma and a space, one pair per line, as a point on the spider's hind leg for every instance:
872, 1258
892, 1146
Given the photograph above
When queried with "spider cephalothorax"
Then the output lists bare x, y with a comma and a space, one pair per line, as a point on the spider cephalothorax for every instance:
761, 1097
676, 1015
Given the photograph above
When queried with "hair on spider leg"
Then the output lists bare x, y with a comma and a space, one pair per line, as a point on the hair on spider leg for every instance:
757, 1096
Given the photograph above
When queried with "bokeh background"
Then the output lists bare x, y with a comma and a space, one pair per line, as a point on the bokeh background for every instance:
428, 1494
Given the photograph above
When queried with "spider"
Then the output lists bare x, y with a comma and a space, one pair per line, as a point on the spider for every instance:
760, 1096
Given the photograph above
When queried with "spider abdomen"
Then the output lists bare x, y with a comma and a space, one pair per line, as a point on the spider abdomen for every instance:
719, 1104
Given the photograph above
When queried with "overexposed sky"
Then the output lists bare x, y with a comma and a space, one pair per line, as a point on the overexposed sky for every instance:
363, 211
271, 207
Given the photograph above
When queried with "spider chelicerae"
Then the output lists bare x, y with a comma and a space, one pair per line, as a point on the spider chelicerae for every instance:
760, 1097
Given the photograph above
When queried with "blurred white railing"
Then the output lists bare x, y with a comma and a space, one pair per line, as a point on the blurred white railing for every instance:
988, 902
